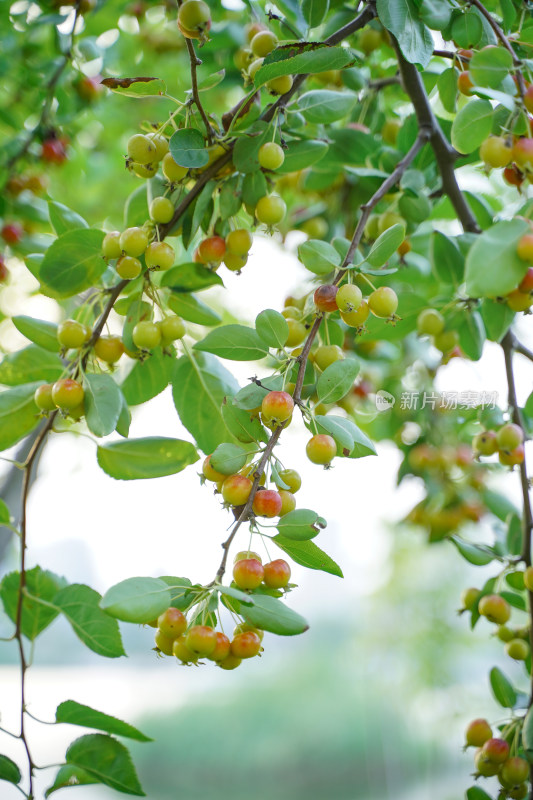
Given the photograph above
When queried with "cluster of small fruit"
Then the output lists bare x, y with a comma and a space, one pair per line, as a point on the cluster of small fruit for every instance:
496, 609
354, 309
508, 442
430, 322
512, 154
232, 251
261, 42
493, 757
521, 298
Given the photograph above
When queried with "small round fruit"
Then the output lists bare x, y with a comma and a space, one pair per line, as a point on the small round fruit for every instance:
349, 298
67, 393
446, 341
245, 645
72, 334
496, 750
291, 478
267, 503
212, 250
495, 608
236, 490
271, 156
485, 766
230, 662
172, 328
321, 449
354, 319
143, 170
239, 242
523, 153
524, 247
514, 771
172, 623
327, 354
263, 43
194, 19
519, 792
109, 348
477, 733
277, 406
277, 574
161, 145
528, 579
172, 171
430, 322
325, 297
184, 653
288, 502
43, 397
509, 436
146, 335
388, 219
244, 627
248, 573
280, 85
369, 40
517, 649
235, 263
519, 301
526, 284
201, 640
159, 255
161, 210
141, 149
254, 68
222, 647
505, 634
496, 151
271, 209
383, 302
485, 443
111, 245
297, 333
244, 554
163, 643
510, 458
211, 474
469, 598
128, 268
513, 176
134, 241
54, 150
465, 83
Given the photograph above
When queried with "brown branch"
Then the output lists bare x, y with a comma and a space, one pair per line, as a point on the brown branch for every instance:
383, 83
195, 62
517, 64
518, 347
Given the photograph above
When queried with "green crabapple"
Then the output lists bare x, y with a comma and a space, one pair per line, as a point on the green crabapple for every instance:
194, 19
270, 210
244, 554
485, 443
43, 398
349, 297
146, 335
383, 302
164, 643
72, 334
509, 437
181, 651
477, 733
469, 598
271, 155
263, 43
141, 149
288, 502
321, 449
517, 649
67, 394
159, 255
134, 241
495, 608
128, 268
109, 348
111, 245
171, 328
239, 242
161, 210
430, 322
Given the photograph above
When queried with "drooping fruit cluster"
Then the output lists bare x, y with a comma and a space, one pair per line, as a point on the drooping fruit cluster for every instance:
508, 442
493, 757
430, 322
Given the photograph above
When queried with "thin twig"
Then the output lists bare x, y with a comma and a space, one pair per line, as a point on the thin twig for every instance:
195, 62
518, 347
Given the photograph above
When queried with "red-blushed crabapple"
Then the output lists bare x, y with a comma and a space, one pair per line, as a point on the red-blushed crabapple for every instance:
288, 502
67, 394
321, 449
172, 623
496, 750
212, 250
248, 573
524, 248
244, 627
245, 645
267, 503
509, 436
496, 151
236, 490
201, 640
222, 647
510, 458
182, 652
277, 407
477, 733
526, 284
54, 150
277, 574
163, 643
513, 176
464, 83
523, 153
495, 608
325, 297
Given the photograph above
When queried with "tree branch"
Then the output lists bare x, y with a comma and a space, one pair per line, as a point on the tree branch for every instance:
195, 62
517, 64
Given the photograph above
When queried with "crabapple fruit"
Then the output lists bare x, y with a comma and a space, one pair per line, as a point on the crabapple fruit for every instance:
248, 573
236, 490
321, 449
271, 156
172, 623
270, 210
430, 322
477, 733
349, 298
267, 503
201, 640
288, 502
161, 210
111, 245
383, 302
245, 645
67, 393
164, 643
277, 407
109, 348
134, 241
43, 397
181, 651
146, 335
325, 297
141, 149
239, 242
495, 608
128, 268
277, 574
159, 255
222, 647
72, 334
171, 328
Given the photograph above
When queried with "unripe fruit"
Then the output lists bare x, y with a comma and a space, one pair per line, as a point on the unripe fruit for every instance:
519, 792
236, 490
43, 398
510, 458
194, 19
297, 333
134, 241
291, 478
246, 645
239, 242
201, 640
181, 651
354, 319
349, 298
244, 627
141, 149
172, 623
514, 771
496, 151
496, 750
72, 334
171, 328
523, 153
161, 210
280, 85
230, 662
325, 297
430, 322
163, 643
288, 502
517, 649
267, 503
469, 598
172, 171
316, 227
321, 449
326, 355
128, 268
159, 255
526, 284
495, 608
390, 130
528, 579
248, 573
519, 301
146, 335
67, 393
222, 647
383, 302
464, 83
277, 406
477, 733
446, 341
254, 67
485, 443
235, 263
109, 348
388, 219
485, 766
111, 245
369, 40
509, 436
271, 156
211, 474
277, 574
263, 43
244, 554
270, 210
524, 247
505, 634
161, 145
143, 170
212, 250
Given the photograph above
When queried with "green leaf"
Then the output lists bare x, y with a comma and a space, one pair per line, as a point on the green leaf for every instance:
107, 760
497, 318
139, 600
314, 11
477, 554
319, 257
467, 29
302, 154
148, 378
250, 397
246, 151
188, 149
179, 591
447, 86
300, 524
484, 275
245, 427
489, 66
323, 105
402, 19
386, 245
199, 386
334, 426
272, 328
5, 515
303, 59
70, 776
80, 605
74, 713
63, 219
527, 736
254, 187
190, 278
136, 87
436, 14
498, 504
124, 420
73, 262
270, 614
228, 458
308, 555
203, 206
472, 125
9, 771
502, 688
514, 535
476, 793
32, 363
234, 342
242, 597
41, 584
103, 403
337, 380
38, 331
18, 414
193, 310
151, 457
230, 199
